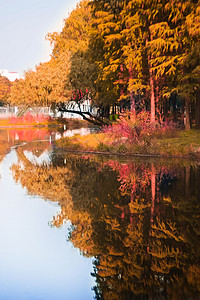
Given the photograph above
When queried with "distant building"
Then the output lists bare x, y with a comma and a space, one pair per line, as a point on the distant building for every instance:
12, 76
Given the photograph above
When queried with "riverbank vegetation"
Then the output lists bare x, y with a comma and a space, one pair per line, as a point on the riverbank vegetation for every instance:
137, 56
137, 135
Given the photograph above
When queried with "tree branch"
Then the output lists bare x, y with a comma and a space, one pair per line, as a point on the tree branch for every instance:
93, 119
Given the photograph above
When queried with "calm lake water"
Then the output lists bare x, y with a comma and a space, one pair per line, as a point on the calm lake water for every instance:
85, 227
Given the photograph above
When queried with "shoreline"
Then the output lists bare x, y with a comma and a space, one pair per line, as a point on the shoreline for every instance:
183, 145
129, 154
186, 145
5, 123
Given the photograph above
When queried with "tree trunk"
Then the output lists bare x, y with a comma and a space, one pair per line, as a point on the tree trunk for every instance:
187, 114
193, 114
113, 110
182, 116
174, 108
197, 118
165, 110
132, 98
107, 111
132, 104
158, 107
152, 97
151, 83
92, 119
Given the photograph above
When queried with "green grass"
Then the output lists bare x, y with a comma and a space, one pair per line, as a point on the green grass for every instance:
185, 143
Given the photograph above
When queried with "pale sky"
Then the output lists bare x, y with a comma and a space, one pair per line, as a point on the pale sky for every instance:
23, 27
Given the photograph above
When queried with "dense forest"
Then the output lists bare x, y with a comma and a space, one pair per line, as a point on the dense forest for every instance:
140, 55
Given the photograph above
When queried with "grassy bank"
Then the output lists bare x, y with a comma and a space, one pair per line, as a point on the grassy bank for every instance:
180, 144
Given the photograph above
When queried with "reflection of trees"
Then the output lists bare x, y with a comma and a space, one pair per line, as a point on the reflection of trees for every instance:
139, 220
29, 134
4, 144
41, 180
10, 137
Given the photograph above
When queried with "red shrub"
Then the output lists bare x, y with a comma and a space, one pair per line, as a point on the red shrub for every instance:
29, 119
138, 127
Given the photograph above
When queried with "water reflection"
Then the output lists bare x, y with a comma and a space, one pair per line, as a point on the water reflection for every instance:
35, 260
139, 219
42, 137
4, 144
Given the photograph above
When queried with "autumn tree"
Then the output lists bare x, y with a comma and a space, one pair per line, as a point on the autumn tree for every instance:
106, 51
73, 42
23, 92
5, 87
146, 43
52, 82
189, 83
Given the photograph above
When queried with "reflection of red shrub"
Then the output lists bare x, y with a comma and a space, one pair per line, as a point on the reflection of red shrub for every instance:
131, 176
29, 134
136, 178
29, 119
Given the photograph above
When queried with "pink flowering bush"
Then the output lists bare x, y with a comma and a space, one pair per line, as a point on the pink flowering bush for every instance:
139, 127
29, 119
